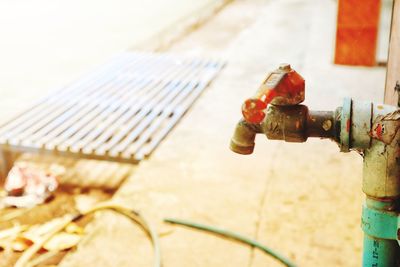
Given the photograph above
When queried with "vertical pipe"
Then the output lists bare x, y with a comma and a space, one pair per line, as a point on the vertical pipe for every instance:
379, 252
393, 67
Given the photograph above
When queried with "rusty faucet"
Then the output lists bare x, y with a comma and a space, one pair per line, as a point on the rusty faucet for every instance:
370, 129
275, 110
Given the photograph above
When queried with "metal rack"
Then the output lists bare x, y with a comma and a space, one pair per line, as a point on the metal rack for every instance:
120, 112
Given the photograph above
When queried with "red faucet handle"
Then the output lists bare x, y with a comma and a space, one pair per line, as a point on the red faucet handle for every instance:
283, 87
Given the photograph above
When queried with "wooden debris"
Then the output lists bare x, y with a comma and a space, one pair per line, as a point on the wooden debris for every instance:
73, 228
21, 244
20, 238
62, 241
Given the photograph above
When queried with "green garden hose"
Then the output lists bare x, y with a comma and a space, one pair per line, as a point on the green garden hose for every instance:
234, 236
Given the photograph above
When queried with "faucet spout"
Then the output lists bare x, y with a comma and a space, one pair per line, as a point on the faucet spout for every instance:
242, 141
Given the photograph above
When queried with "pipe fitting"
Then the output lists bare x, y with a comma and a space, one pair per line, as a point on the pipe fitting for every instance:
381, 172
243, 138
288, 123
355, 125
297, 123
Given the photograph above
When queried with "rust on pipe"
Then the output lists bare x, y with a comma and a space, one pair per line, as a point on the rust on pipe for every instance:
321, 124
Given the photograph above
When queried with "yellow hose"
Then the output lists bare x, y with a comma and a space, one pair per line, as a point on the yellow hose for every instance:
24, 260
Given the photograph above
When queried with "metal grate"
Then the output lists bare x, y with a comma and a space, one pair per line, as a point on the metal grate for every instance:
120, 112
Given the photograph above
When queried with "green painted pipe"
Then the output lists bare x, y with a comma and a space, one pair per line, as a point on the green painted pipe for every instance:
380, 252
379, 224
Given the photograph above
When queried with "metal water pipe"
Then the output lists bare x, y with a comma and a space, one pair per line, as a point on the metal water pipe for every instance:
368, 128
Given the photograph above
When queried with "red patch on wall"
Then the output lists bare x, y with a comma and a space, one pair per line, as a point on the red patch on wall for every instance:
356, 33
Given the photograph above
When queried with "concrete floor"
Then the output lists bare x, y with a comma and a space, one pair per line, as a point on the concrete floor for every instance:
303, 200
46, 44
